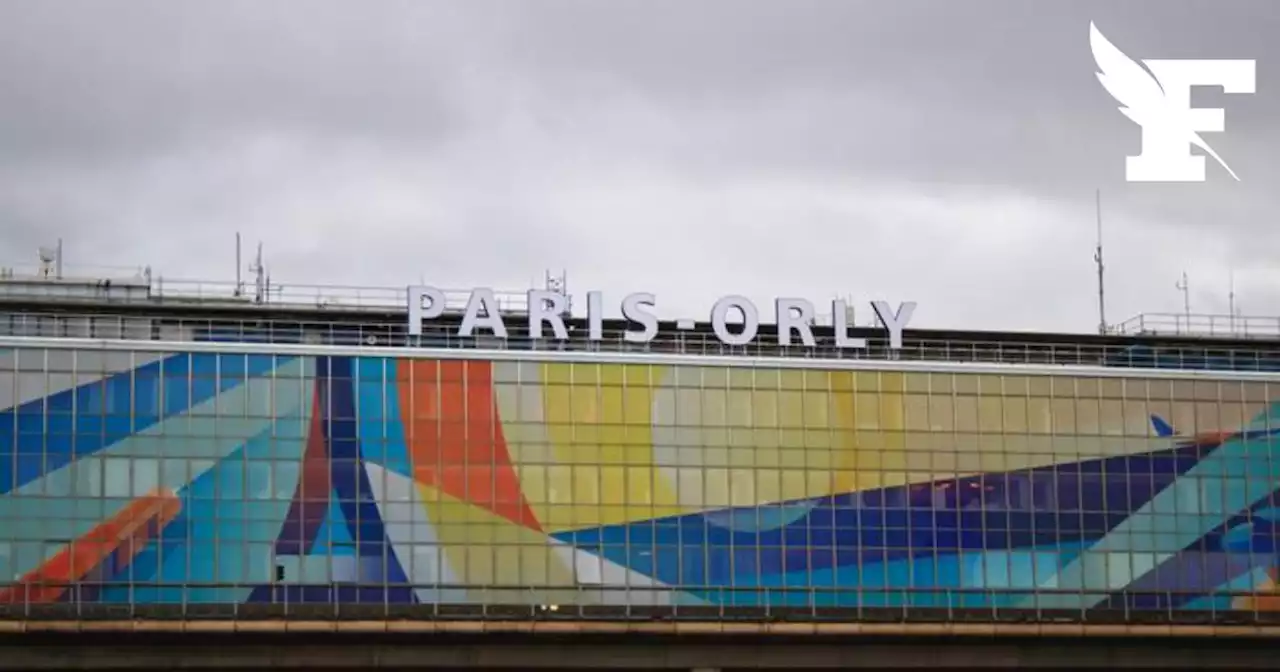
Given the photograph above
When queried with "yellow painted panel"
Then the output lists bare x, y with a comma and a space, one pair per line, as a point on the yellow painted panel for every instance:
790, 409
524, 427
867, 410
486, 549
745, 437
817, 408
533, 483
582, 430
892, 381
795, 483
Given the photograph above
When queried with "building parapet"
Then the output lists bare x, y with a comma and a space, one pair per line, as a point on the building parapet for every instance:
373, 334
1203, 325
140, 305
148, 289
97, 288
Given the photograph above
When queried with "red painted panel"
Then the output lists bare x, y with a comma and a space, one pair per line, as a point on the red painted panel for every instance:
454, 435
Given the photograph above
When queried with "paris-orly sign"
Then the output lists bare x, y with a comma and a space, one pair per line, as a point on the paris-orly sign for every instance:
794, 318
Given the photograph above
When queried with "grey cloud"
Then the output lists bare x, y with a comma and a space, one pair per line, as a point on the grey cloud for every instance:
85, 77
946, 152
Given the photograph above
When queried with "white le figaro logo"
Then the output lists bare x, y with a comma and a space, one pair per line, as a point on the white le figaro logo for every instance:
1160, 102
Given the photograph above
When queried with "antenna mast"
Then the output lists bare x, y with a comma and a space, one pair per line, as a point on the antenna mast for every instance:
261, 281
1097, 256
1185, 287
560, 285
1231, 299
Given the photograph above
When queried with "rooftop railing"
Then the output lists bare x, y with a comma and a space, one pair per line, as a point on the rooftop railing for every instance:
106, 285
334, 297
604, 603
1200, 325
24, 284
919, 346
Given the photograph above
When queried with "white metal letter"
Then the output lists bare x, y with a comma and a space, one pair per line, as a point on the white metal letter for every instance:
418, 312
894, 321
840, 315
547, 306
482, 300
634, 309
750, 320
595, 316
794, 314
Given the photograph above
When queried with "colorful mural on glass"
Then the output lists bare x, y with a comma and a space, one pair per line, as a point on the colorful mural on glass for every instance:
203, 478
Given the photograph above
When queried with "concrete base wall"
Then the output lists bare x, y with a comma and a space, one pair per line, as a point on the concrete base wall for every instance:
93, 651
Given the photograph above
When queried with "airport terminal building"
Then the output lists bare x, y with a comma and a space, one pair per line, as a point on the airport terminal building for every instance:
168, 449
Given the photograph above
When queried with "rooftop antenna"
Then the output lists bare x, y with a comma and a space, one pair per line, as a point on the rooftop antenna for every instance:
554, 283
1097, 256
560, 285
48, 256
1231, 299
239, 283
260, 277
1184, 286
849, 312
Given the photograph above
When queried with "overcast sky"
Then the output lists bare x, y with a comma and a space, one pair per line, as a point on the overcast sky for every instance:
939, 151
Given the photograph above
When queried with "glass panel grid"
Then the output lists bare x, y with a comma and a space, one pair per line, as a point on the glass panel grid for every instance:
200, 479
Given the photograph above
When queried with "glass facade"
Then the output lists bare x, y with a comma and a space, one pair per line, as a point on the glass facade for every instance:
194, 479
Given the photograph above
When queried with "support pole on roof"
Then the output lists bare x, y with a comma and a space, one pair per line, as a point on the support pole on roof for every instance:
1097, 257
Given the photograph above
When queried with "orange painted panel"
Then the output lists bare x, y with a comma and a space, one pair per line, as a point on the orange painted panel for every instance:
123, 536
454, 436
